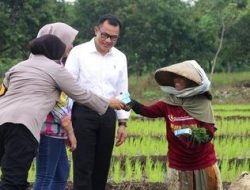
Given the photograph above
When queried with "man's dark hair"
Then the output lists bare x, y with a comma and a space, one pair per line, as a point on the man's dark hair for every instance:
113, 20
48, 45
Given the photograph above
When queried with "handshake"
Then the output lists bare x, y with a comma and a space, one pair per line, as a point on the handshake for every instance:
121, 101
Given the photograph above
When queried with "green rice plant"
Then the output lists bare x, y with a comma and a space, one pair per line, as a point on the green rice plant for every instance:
237, 126
235, 114
199, 135
70, 166
231, 148
154, 171
150, 146
240, 127
147, 127
148, 166
137, 176
144, 144
32, 172
230, 107
232, 110
225, 175
116, 173
230, 172
128, 170
233, 170
141, 146
158, 174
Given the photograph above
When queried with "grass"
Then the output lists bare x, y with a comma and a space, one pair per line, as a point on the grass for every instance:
229, 79
231, 107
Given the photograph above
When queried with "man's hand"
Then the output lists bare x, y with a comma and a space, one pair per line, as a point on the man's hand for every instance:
116, 104
121, 135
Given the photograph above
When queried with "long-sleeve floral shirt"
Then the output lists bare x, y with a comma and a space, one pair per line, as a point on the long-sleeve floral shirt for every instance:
52, 126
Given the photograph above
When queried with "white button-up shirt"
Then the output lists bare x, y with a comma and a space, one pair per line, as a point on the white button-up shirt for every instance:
106, 75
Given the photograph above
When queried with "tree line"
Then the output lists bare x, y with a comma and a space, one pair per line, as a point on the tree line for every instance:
156, 33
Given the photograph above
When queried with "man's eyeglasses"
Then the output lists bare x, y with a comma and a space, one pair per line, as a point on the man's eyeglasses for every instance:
105, 36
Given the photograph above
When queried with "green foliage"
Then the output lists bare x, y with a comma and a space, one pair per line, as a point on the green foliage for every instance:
156, 40
20, 22
209, 16
172, 33
5, 64
236, 55
155, 34
199, 135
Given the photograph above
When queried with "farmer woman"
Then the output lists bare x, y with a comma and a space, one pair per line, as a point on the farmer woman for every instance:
190, 126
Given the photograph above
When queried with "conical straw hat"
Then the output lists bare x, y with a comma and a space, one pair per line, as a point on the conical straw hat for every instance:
165, 76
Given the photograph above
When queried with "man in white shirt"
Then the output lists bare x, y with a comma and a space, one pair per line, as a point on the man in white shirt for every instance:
100, 67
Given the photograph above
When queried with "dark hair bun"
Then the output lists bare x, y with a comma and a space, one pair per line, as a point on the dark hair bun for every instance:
48, 45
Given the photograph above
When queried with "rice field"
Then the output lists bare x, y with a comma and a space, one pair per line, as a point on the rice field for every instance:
142, 158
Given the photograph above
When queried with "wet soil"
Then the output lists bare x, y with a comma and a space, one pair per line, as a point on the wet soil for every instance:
135, 186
